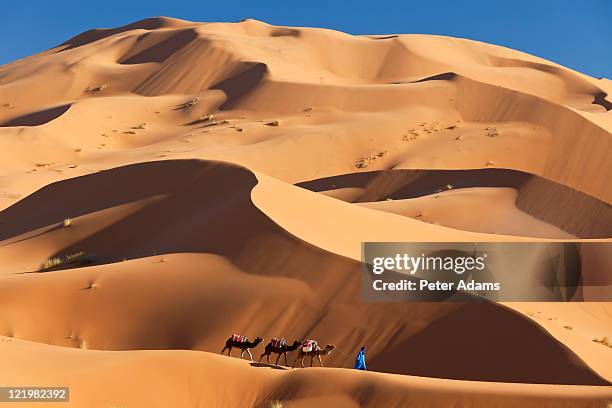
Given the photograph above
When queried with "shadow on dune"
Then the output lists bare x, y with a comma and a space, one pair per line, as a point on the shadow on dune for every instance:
96, 34
571, 80
600, 99
572, 211
161, 51
264, 365
449, 346
206, 207
383, 37
198, 201
38, 118
199, 207
241, 82
285, 32
402, 184
446, 76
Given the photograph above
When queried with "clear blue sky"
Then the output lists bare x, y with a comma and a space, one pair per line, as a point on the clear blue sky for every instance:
574, 33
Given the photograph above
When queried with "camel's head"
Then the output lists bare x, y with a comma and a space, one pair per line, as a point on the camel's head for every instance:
329, 348
297, 343
258, 340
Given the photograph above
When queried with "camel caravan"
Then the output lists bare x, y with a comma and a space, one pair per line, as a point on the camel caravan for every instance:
280, 347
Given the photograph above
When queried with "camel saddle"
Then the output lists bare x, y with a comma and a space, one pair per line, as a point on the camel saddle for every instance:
309, 345
278, 343
238, 338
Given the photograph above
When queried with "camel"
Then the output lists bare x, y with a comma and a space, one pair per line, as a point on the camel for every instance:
283, 350
243, 345
317, 351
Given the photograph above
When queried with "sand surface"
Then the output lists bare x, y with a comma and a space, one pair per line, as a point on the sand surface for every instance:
173, 182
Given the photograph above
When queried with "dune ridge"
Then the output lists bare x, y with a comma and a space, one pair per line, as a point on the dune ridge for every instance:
548, 201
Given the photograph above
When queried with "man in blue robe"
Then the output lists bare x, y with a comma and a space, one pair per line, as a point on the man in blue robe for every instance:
360, 363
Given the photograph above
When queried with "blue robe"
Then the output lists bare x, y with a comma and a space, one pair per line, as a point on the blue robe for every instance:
360, 363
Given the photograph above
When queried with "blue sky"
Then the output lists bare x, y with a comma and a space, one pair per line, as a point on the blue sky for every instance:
574, 33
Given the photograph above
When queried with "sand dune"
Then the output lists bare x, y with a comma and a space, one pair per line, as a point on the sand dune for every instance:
153, 217
542, 199
175, 182
470, 211
233, 383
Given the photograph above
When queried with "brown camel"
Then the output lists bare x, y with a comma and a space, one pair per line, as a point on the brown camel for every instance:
282, 350
243, 345
317, 351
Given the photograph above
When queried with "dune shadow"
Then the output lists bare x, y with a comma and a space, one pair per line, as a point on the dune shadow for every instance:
96, 34
272, 366
402, 184
285, 32
196, 122
184, 206
50, 228
184, 186
454, 345
383, 37
162, 50
38, 118
241, 82
571, 79
445, 76
571, 210
600, 99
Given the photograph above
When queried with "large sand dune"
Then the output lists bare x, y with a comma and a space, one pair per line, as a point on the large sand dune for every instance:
167, 183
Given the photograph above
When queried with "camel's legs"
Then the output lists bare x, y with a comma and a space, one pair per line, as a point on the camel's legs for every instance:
269, 358
302, 361
223, 351
241, 353
229, 352
295, 361
311, 358
250, 355
286, 362
320, 362
278, 358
